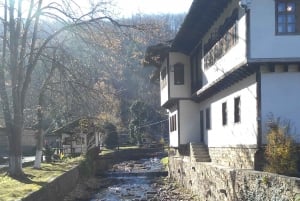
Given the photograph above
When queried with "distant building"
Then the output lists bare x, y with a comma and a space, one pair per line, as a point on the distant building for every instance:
72, 139
231, 65
28, 142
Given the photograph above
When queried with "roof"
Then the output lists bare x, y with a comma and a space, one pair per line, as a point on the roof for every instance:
197, 22
71, 127
155, 55
199, 19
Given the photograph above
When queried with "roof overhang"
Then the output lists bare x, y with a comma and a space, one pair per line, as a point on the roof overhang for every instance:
225, 81
155, 56
199, 19
72, 128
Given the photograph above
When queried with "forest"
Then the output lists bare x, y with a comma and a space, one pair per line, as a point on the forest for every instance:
60, 63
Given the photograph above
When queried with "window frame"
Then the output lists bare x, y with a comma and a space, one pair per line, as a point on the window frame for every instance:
285, 13
224, 114
173, 123
178, 74
237, 109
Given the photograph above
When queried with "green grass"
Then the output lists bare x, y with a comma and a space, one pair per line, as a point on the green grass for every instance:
165, 161
12, 189
107, 151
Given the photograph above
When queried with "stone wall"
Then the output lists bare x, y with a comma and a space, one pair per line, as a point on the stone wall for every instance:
56, 189
235, 157
212, 182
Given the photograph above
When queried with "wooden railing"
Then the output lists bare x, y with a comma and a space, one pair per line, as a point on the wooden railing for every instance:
221, 47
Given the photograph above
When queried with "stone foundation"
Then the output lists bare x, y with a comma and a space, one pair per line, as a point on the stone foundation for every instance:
213, 182
235, 157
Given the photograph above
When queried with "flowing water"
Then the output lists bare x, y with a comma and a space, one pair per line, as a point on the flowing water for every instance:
131, 180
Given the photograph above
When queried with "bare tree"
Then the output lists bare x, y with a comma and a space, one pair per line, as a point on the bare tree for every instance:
24, 41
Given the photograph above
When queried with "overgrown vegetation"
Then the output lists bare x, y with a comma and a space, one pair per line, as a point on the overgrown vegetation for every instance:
165, 162
144, 123
280, 151
111, 140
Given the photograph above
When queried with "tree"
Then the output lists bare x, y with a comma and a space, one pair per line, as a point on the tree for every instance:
111, 140
144, 120
22, 46
281, 154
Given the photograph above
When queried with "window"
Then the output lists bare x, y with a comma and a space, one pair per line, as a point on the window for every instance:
224, 114
178, 74
237, 109
172, 121
207, 113
287, 12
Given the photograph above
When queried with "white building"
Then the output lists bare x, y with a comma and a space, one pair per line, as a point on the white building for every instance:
231, 65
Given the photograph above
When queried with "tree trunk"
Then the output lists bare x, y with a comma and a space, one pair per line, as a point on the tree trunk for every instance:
15, 152
38, 159
39, 138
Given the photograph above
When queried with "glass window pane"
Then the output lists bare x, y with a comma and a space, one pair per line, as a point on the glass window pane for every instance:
291, 28
281, 7
291, 18
280, 28
281, 19
290, 7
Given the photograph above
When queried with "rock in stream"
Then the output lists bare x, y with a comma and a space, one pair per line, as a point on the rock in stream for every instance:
131, 188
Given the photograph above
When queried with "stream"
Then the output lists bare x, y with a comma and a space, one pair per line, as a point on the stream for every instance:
133, 180
142, 180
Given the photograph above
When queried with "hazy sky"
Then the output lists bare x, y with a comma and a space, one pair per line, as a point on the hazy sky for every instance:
129, 7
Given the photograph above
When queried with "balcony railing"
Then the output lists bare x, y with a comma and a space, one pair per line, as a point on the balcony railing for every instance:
221, 47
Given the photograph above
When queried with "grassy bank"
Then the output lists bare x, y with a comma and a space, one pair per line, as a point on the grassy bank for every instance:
14, 189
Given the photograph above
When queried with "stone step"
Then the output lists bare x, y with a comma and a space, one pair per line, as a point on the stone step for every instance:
203, 160
200, 152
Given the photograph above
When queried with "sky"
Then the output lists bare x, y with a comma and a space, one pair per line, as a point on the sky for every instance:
129, 7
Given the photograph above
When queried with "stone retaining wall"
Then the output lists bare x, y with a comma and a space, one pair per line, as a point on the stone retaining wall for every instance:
56, 189
235, 157
62, 185
212, 182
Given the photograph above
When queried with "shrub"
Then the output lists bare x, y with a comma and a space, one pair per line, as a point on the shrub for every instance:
280, 150
111, 140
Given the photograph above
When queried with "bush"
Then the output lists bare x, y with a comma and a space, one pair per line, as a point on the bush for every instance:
280, 150
111, 140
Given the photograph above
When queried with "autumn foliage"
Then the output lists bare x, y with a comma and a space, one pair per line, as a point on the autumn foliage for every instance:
280, 151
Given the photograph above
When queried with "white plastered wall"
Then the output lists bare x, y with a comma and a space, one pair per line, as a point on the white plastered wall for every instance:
265, 44
180, 91
173, 135
233, 134
281, 98
189, 121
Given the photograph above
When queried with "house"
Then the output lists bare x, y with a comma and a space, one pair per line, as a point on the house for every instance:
231, 65
76, 137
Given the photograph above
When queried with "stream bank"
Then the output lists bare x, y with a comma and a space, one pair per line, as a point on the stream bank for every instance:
120, 184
